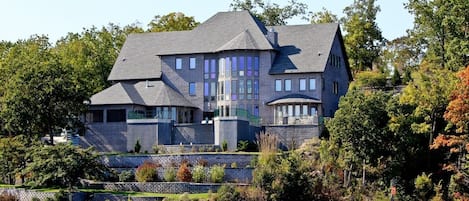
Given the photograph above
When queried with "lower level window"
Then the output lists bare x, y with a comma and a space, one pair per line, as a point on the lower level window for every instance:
116, 115
192, 88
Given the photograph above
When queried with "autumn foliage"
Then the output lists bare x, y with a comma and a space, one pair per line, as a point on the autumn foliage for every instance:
184, 173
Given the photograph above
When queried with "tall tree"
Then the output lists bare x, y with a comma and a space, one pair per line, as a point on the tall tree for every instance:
456, 141
271, 14
363, 39
41, 95
323, 16
429, 93
442, 28
172, 22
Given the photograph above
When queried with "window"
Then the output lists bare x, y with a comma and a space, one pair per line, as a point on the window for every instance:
192, 88
256, 66
249, 66
192, 63
213, 90
206, 69
287, 85
206, 89
234, 87
312, 84
116, 115
278, 85
305, 110
302, 84
178, 63
93, 116
241, 66
241, 89
221, 67
314, 112
297, 110
335, 88
256, 89
213, 69
227, 89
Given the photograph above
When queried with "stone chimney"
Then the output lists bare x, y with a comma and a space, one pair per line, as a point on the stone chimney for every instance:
272, 36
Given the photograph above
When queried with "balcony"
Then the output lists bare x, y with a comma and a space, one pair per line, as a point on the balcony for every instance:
299, 120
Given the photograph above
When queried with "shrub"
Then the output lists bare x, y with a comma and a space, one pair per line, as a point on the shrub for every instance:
184, 174
217, 173
243, 145
137, 147
147, 172
126, 176
8, 197
198, 174
158, 149
202, 162
228, 193
234, 165
170, 174
224, 145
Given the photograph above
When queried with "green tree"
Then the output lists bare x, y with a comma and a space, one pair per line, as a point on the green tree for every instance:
13, 151
369, 80
360, 128
40, 96
172, 22
323, 16
363, 39
63, 165
271, 14
429, 94
441, 27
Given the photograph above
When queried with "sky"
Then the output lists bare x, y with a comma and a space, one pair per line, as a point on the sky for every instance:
19, 19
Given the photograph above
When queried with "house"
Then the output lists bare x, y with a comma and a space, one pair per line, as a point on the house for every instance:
225, 80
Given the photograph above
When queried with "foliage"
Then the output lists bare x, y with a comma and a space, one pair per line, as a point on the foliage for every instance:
396, 78
184, 173
217, 173
243, 145
198, 174
369, 79
62, 165
323, 16
170, 174
8, 197
172, 22
440, 27
13, 157
147, 172
424, 186
137, 147
271, 14
224, 146
228, 193
126, 176
363, 39
43, 85
428, 93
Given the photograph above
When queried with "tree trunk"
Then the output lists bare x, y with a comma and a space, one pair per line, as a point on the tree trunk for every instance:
363, 174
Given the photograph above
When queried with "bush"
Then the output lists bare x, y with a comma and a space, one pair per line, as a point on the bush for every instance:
198, 174
243, 145
8, 197
170, 174
228, 193
126, 176
234, 165
217, 173
147, 172
158, 149
224, 146
202, 162
184, 173
137, 147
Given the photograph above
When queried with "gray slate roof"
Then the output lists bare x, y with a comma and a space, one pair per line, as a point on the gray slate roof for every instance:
303, 48
224, 31
156, 93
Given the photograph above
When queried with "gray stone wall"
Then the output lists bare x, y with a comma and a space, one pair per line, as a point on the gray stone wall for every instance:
106, 137
133, 161
28, 195
193, 133
293, 135
162, 187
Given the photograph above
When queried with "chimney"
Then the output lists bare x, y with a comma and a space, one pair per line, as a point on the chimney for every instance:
272, 36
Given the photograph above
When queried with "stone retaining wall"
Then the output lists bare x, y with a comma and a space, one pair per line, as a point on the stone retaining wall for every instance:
159, 187
133, 161
28, 195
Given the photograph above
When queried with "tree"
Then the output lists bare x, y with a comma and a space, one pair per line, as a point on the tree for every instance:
172, 22
363, 39
323, 16
456, 141
442, 28
369, 80
40, 95
271, 14
63, 165
429, 93
13, 151
360, 128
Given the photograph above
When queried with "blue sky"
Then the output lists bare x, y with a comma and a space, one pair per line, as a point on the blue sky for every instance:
20, 19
